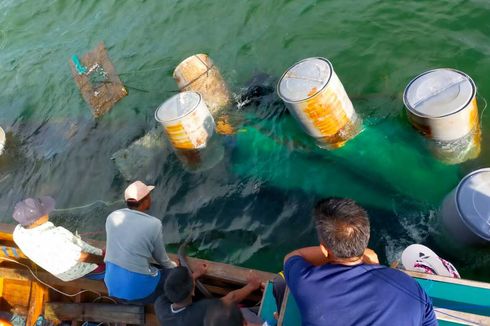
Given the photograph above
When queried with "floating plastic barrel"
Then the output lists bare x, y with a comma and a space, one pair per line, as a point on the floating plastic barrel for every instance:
316, 98
199, 74
466, 210
2, 140
186, 120
441, 104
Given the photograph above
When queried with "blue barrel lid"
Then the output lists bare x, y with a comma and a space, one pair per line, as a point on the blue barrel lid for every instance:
473, 202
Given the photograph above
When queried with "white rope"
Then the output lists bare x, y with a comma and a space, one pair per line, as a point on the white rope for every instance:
49, 286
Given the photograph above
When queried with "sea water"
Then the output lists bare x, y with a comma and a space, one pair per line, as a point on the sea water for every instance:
255, 204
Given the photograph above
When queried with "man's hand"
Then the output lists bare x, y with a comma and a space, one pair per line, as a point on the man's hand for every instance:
91, 258
237, 296
370, 257
200, 271
253, 281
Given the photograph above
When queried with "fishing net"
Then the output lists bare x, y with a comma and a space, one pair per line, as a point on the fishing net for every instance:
97, 80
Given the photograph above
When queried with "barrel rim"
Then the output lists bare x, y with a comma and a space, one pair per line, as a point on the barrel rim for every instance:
182, 116
3, 139
311, 96
456, 199
188, 59
412, 110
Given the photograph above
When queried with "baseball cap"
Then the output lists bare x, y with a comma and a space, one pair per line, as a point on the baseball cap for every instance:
30, 210
137, 191
419, 258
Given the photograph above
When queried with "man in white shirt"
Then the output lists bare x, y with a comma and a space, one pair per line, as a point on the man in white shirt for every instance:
54, 249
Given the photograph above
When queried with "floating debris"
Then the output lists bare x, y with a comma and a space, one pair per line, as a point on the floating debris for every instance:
98, 80
138, 161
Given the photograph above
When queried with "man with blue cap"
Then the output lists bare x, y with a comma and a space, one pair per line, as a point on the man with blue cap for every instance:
55, 249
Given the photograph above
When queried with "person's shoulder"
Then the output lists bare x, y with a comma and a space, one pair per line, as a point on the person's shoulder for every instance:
395, 275
199, 308
19, 234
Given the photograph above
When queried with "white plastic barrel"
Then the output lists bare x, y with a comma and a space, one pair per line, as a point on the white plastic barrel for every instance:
466, 210
441, 104
199, 74
2, 140
186, 120
317, 99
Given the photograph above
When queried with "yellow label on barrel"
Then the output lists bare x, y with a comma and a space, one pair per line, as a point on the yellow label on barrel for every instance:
326, 112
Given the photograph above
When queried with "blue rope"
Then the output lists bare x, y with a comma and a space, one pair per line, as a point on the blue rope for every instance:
16, 254
81, 69
4, 249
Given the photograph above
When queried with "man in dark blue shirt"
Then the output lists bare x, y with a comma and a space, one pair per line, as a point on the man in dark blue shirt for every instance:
340, 282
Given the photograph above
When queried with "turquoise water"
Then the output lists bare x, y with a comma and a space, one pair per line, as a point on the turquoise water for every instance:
254, 205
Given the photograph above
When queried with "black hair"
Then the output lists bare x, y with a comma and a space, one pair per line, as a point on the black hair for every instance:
179, 284
219, 313
342, 226
132, 203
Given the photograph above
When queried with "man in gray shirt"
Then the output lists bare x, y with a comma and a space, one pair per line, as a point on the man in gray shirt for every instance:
134, 239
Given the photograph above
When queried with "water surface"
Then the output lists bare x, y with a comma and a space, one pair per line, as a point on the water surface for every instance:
255, 205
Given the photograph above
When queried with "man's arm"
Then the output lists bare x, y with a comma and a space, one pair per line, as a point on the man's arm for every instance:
90, 258
313, 255
159, 252
430, 318
239, 295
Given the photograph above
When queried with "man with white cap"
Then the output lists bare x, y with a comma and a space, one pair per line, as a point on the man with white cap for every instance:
55, 249
134, 239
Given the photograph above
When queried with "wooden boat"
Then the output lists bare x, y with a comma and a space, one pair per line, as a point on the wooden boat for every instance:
457, 301
23, 294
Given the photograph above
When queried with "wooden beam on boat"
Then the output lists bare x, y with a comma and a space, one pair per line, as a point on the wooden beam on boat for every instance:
36, 302
22, 274
228, 273
461, 317
6, 232
445, 279
95, 312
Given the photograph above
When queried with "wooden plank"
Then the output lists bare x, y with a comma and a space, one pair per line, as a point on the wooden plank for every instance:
6, 232
461, 317
36, 302
16, 292
96, 312
268, 304
22, 274
445, 279
228, 273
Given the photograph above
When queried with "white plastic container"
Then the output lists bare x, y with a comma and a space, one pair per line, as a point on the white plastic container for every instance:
317, 99
441, 104
2, 140
186, 120
466, 210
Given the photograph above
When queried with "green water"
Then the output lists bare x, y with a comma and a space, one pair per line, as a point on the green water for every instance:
255, 205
